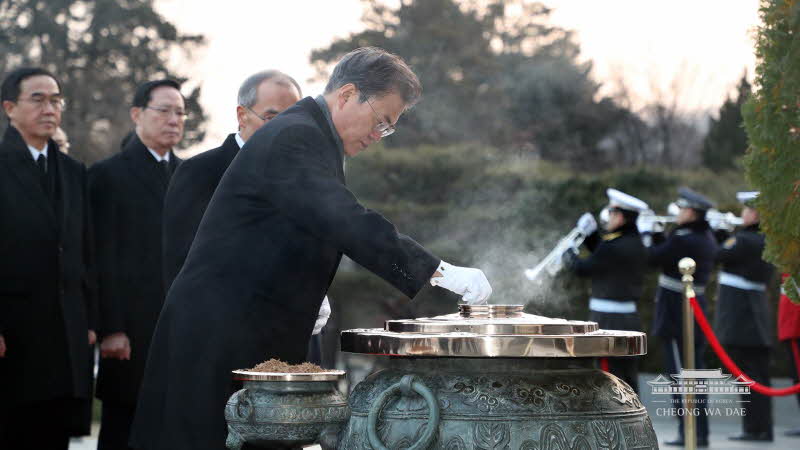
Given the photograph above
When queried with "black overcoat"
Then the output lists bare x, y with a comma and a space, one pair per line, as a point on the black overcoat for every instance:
127, 193
694, 240
188, 194
46, 287
258, 269
617, 268
743, 317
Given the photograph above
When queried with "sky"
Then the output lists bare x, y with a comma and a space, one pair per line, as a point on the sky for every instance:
702, 47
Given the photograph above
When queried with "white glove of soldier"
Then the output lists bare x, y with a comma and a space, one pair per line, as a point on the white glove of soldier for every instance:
586, 224
470, 283
647, 225
322, 318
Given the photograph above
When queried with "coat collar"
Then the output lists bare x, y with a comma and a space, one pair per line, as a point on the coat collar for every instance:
230, 143
146, 168
310, 105
14, 149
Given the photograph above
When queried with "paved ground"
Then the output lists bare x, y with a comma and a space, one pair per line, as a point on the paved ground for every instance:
785, 413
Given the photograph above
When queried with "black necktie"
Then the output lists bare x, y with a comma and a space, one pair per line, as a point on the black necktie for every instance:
165, 168
41, 161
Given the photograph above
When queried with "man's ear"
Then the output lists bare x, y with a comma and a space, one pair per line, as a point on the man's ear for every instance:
8, 107
136, 112
240, 115
346, 93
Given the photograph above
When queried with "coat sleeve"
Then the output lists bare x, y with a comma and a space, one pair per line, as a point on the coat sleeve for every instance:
104, 224
300, 180
665, 253
595, 263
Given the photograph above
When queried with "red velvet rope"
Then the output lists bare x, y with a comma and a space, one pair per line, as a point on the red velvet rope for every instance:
728, 362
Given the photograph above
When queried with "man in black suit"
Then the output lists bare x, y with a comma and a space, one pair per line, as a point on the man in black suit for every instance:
261, 97
46, 291
127, 192
268, 247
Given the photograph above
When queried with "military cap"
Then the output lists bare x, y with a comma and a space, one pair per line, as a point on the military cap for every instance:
747, 198
688, 198
621, 200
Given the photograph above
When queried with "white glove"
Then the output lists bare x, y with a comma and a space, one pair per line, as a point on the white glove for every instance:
322, 318
470, 283
586, 224
647, 225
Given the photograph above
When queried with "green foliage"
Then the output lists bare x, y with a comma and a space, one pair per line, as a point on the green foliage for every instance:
726, 139
100, 50
771, 119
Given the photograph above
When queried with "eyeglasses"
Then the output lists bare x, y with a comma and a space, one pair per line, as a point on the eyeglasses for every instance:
168, 112
39, 101
385, 129
266, 118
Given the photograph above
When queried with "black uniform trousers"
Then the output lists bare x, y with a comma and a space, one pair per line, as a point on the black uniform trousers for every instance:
754, 362
673, 361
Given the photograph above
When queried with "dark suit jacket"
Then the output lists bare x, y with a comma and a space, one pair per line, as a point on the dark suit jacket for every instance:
188, 194
127, 192
46, 295
258, 269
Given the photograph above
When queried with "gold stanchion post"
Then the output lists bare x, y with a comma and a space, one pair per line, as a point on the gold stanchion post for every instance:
687, 267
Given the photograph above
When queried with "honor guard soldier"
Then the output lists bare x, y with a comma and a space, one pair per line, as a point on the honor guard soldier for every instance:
616, 267
691, 238
743, 320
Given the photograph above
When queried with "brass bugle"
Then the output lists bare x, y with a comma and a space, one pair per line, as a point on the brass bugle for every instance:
552, 262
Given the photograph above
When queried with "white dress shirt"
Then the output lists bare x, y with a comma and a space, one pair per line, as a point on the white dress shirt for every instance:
239, 140
36, 152
158, 157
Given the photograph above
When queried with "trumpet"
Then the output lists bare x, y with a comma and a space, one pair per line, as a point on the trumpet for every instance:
552, 262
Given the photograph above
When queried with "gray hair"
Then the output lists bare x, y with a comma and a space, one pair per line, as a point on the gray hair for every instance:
376, 72
248, 91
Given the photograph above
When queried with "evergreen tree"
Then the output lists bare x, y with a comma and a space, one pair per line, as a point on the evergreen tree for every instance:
726, 139
771, 116
494, 72
100, 50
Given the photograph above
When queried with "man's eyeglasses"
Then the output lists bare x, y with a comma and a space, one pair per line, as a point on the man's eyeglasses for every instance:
385, 129
266, 117
168, 112
39, 101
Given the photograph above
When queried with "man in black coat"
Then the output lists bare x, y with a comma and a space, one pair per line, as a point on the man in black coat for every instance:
692, 238
743, 321
268, 247
47, 309
261, 97
617, 268
127, 192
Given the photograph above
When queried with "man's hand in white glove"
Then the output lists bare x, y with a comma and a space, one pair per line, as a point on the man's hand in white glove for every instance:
471, 284
322, 318
586, 224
